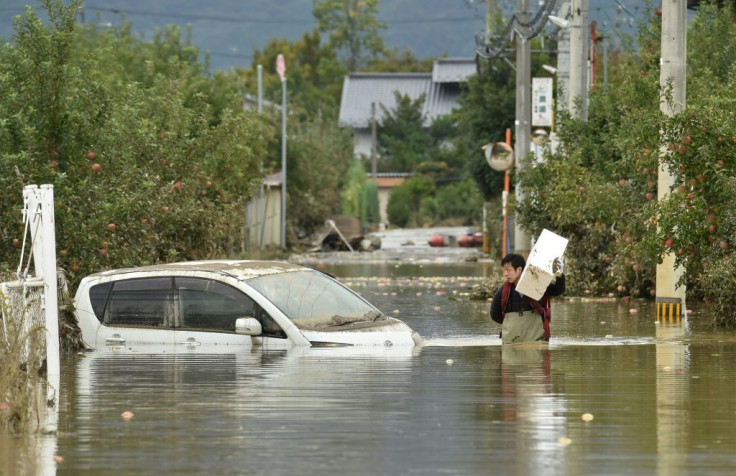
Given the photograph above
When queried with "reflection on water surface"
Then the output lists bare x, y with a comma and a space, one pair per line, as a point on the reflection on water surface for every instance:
660, 397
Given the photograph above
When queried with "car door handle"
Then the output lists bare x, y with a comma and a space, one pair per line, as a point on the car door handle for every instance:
115, 340
191, 341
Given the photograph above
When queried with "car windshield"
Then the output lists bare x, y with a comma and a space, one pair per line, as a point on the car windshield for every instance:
314, 301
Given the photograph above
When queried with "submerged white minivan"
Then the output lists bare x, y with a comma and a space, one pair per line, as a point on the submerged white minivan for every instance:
229, 303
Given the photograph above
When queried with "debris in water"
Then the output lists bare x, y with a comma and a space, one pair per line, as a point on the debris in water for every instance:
633, 311
437, 308
396, 311
127, 415
609, 336
564, 441
58, 459
449, 361
587, 417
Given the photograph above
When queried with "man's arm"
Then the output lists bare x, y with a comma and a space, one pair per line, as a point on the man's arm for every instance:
556, 287
496, 313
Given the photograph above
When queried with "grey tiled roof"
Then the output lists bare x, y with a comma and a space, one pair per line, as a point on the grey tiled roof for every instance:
453, 70
359, 90
440, 87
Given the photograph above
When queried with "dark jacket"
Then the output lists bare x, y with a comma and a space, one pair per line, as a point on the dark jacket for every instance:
518, 303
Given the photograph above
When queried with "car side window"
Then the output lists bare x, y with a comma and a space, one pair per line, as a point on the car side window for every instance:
207, 304
98, 298
145, 302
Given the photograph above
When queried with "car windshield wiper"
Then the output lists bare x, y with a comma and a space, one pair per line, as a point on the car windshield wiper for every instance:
370, 316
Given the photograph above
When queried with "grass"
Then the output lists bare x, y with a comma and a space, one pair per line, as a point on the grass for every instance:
21, 373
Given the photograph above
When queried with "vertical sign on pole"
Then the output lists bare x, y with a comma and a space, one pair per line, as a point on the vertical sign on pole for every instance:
542, 110
281, 70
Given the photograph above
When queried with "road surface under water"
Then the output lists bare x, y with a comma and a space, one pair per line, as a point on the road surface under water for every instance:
614, 393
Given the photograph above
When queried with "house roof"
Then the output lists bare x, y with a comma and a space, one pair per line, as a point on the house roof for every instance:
440, 87
453, 70
360, 90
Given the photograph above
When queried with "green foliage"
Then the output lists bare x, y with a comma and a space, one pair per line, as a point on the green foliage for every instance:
318, 158
314, 77
398, 208
360, 196
372, 205
603, 188
403, 139
175, 160
459, 200
405, 201
354, 29
399, 60
487, 109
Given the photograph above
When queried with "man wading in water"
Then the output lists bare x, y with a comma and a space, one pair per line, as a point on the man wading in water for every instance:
522, 318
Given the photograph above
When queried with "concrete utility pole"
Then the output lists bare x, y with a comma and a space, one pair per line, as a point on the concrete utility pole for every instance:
563, 60
579, 60
374, 155
671, 298
522, 125
490, 13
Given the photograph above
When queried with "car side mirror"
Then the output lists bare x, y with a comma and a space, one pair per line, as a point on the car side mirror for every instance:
248, 326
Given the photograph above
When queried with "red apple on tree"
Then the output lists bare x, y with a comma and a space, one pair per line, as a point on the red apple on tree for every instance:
91, 155
103, 252
111, 226
96, 167
723, 244
669, 242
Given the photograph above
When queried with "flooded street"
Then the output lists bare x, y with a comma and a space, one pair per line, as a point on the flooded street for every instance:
614, 393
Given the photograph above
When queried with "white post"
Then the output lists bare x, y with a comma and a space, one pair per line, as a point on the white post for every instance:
283, 162
51, 308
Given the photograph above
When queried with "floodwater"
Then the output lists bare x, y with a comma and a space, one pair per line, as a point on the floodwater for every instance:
614, 393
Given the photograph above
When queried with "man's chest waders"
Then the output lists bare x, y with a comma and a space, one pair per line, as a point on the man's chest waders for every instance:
527, 326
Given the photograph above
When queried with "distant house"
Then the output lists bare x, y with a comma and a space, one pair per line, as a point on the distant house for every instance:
360, 91
441, 88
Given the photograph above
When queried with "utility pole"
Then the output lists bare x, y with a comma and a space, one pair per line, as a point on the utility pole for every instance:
490, 13
563, 60
673, 63
281, 70
578, 98
374, 156
522, 125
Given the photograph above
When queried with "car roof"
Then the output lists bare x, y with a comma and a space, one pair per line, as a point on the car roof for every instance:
239, 269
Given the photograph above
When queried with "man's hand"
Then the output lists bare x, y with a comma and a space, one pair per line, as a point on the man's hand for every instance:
557, 266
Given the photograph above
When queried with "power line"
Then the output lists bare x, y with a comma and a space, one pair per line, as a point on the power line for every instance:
288, 21
228, 19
